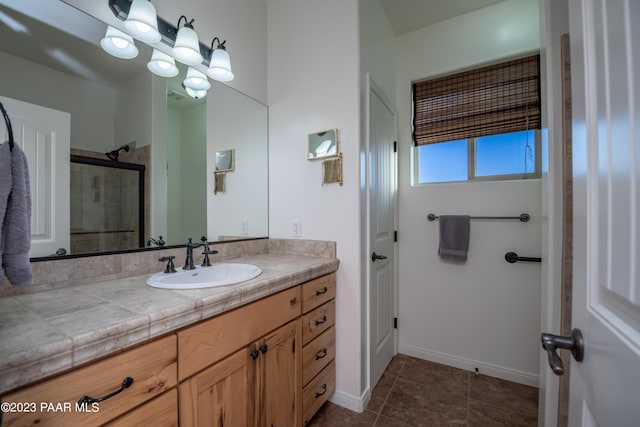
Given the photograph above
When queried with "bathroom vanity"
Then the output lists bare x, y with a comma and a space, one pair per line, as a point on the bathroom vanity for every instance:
265, 357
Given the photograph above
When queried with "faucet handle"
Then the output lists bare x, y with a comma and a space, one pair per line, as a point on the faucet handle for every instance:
205, 261
204, 239
170, 266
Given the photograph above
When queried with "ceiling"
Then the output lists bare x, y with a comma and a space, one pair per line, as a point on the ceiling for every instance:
410, 15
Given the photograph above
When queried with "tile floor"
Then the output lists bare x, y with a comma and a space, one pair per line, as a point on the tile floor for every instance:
414, 392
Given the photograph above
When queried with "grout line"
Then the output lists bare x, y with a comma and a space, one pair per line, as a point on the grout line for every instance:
469, 379
386, 398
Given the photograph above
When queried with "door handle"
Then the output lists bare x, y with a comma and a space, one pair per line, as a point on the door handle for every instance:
375, 256
551, 342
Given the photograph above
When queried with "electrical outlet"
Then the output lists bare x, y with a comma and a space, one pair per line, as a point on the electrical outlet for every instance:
244, 227
297, 228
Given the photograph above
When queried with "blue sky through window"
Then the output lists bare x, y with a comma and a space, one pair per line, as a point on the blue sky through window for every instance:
446, 161
504, 154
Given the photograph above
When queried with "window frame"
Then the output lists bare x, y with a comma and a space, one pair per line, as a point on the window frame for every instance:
471, 165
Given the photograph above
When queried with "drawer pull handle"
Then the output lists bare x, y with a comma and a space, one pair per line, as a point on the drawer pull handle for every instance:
320, 322
323, 291
293, 301
324, 390
321, 354
254, 354
125, 384
263, 348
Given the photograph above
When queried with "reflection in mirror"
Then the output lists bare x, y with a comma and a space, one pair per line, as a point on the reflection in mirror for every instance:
322, 144
107, 205
224, 160
51, 57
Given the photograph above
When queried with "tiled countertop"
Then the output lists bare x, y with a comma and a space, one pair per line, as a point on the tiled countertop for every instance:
44, 333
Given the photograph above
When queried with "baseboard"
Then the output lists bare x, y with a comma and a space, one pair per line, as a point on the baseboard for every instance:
501, 372
351, 402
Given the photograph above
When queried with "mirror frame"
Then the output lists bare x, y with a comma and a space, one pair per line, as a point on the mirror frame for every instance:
313, 145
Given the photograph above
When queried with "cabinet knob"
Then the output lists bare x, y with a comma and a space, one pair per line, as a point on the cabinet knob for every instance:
293, 301
263, 348
254, 354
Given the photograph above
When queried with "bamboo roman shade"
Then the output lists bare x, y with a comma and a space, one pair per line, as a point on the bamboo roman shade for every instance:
486, 101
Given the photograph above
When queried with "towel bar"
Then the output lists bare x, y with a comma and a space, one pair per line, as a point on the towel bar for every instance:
512, 257
524, 217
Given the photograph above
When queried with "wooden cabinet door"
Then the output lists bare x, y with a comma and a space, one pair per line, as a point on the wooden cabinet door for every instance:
221, 395
279, 377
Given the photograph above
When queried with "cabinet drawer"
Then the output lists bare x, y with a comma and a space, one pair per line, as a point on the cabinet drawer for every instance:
318, 291
207, 342
318, 353
160, 412
318, 321
318, 391
152, 367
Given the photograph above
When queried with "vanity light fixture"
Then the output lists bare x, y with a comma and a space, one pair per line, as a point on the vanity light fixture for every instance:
162, 64
220, 63
142, 21
196, 80
195, 93
182, 42
119, 44
187, 47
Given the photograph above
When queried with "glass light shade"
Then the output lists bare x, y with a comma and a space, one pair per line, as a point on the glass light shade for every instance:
118, 44
187, 47
196, 80
162, 64
220, 66
195, 93
142, 21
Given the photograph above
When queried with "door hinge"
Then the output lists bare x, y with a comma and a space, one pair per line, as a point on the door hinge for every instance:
395, 146
395, 323
395, 236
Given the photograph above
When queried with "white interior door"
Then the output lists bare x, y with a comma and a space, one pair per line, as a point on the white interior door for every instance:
605, 56
44, 135
382, 208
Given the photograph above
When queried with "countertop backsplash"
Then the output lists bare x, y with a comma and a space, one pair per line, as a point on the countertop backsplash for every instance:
61, 273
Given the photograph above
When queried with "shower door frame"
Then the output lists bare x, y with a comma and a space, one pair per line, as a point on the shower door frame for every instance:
141, 185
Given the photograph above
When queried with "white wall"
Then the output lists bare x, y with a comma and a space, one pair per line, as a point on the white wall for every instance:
237, 122
133, 115
486, 312
193, 196
187, 179
313, 86
91, 122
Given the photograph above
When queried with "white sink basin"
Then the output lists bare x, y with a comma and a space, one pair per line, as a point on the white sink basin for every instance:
205, 277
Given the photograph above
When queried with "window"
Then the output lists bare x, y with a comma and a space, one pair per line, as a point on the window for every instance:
478, 125
497, 157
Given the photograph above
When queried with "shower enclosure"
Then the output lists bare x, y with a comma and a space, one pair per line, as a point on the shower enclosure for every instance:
107, 205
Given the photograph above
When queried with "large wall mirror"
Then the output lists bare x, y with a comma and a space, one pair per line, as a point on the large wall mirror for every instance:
52, 63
